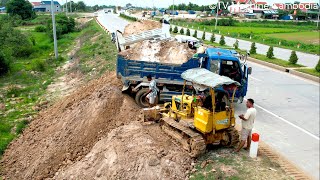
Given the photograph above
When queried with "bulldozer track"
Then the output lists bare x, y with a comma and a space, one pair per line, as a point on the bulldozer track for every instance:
287, 166
190, 140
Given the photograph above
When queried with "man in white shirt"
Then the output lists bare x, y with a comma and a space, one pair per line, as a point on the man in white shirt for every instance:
151, 95
247, 125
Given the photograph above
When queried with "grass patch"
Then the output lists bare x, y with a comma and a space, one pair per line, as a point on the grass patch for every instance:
261, 35
276, 61
312, 72
306, 37
222, 164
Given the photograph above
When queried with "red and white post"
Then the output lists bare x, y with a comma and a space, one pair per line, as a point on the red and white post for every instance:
254, 145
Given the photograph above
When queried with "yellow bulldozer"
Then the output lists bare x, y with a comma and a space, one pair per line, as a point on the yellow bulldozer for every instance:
198, 120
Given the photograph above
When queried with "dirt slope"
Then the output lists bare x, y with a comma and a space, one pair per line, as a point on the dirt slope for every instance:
76, 128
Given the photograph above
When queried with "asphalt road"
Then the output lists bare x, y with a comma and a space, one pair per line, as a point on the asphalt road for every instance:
288, 109
309, 60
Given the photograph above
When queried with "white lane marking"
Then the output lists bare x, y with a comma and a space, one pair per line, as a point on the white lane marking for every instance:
286, 121
255, 78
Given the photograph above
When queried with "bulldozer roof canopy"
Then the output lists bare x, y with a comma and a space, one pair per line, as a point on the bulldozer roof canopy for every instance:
206, 78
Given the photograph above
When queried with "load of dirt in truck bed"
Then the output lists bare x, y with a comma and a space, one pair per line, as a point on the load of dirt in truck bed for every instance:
140, 26
94, 133
165, 51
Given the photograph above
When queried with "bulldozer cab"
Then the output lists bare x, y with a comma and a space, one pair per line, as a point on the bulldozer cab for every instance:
205, 113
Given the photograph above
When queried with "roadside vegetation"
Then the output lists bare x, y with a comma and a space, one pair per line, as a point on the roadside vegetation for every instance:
265, 32
28, 66
129, 18
223, 164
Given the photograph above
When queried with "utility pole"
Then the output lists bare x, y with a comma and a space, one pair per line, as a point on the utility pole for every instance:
70, 6
66, 7
54, 30
215, 27
172, 11
318, 17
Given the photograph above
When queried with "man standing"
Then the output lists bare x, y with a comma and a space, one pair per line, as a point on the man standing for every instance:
151, 95
247, 125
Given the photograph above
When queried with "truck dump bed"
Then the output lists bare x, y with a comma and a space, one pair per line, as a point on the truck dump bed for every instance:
132, 70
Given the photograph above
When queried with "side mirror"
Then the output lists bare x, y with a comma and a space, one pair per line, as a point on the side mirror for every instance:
249, 70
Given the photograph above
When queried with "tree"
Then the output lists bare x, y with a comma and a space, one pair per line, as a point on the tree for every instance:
270, 53
212, 38
3, 3
195, 34
293, 58
253, 49
236, 44
222, 42
175, 29
188, 32
4, 64
81, 6
170, 29
204, 35
22, 8
318, 66
181, 31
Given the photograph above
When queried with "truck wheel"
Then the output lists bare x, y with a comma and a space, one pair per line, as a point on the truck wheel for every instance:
141, 99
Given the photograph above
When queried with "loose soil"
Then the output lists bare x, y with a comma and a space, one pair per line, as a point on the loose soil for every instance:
140, 26
78, 130
165, 51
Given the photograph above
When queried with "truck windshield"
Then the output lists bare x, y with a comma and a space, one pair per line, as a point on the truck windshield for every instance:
231, 69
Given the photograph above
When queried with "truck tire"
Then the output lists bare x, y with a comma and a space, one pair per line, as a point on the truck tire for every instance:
140, 98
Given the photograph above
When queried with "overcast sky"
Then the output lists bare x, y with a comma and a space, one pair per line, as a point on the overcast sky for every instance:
165, 3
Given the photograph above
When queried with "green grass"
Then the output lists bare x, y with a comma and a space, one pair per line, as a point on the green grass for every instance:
276, 61
306, 37
260, 34
309, 71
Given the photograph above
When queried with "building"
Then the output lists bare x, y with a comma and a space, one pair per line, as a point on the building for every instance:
2, 9
45, 6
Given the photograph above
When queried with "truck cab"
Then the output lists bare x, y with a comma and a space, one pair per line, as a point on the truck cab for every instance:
226, 63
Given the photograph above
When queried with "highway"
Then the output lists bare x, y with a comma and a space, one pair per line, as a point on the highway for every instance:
287, 106
306, 59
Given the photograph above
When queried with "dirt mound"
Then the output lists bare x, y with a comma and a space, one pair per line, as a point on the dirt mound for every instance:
74, 131
131, 154
140, 26
165, 51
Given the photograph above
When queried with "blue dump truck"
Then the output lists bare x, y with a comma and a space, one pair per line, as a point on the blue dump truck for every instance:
168, 76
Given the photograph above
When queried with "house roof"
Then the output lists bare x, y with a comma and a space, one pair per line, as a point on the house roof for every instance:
36, 3
2, 8
245, 1
49, 2
261, 2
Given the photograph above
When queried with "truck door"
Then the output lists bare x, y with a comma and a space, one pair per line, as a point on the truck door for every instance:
244, 81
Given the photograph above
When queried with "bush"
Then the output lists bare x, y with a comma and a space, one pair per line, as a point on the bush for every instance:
40, 28
188, 32
64, 25
212, 38
128, 17
222, 42
204, 35
236, 44
38, 65
170, 29
4, 64
270, 53
318, 66
175, 29
195, 34
253, 49
293, 58
181, 31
